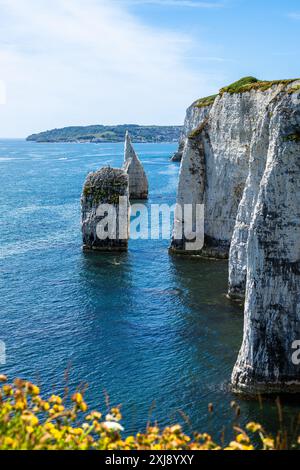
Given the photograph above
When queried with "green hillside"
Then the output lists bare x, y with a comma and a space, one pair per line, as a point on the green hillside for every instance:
99, 133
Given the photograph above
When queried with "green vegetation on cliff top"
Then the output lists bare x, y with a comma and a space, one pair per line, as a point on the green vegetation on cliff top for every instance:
207, 101
247, 84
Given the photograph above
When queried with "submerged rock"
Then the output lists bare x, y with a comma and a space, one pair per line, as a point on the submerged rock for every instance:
105, 187
138, 183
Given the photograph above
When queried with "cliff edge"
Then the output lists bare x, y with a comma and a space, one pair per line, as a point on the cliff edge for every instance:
242, 161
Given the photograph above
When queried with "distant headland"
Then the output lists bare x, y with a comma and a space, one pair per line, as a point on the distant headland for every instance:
101, 133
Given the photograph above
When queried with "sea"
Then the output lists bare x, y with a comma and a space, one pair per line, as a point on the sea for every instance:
145, 330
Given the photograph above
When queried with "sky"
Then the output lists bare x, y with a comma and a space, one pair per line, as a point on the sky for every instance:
82, 62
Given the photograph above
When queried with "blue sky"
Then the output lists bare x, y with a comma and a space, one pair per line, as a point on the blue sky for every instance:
79, 62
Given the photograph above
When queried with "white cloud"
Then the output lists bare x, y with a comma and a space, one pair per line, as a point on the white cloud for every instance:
73, 62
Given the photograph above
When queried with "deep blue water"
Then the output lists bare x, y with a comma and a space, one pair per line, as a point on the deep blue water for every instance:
154, 332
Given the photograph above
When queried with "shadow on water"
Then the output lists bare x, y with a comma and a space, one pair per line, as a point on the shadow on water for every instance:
214, 324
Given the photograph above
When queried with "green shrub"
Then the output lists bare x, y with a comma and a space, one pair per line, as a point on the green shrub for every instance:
207, 101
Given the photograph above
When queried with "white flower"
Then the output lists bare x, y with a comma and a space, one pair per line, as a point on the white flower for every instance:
113, 426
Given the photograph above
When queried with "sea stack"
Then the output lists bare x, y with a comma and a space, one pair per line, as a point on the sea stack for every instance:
191, 190
104, 210
138, 183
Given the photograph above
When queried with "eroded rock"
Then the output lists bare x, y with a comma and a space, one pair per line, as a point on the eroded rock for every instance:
272, 308
138, 183
249, 152
105, 187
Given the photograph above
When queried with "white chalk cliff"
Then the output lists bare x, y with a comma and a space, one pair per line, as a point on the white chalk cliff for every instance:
249, 147
138, 183
195, 114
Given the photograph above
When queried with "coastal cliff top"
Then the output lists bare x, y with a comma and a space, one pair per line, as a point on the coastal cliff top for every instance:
247, 84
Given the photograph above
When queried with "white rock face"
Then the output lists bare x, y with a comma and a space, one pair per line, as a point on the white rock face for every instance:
246, 161
191, 186
264, 106
138, 183
272, 308
226, 131
194, 117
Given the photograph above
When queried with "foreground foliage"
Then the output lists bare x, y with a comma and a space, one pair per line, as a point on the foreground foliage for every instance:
28, 422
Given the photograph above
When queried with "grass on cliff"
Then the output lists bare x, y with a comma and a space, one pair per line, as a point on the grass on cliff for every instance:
247, 84
196, 132
236, 87
30, 422
252, 83
207, 101
294, 89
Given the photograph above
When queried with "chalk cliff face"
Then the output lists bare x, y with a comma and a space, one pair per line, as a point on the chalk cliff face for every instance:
272, 308
195, 114
225, 134
105, 186
234, 135
138, 183
245, 166
265, 105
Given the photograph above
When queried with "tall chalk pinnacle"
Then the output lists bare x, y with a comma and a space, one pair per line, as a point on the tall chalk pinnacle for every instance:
138, 183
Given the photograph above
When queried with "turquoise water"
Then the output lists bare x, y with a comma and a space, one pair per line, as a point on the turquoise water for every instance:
153, 332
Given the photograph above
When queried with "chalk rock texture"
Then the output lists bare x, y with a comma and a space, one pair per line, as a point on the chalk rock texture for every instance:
138, 183
195, 115
243, 161
225, 133
234, 135
272, 307
191, 190
105, 187
264, 106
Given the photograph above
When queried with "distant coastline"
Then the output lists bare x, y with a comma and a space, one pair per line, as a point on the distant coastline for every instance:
107, 134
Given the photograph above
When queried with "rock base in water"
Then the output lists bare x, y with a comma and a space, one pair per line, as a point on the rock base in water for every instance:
105, 187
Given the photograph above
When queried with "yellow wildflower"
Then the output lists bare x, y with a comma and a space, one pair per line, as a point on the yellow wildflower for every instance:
33, 389
29, 429
253, 427
8, 442
7, 389
268, 443
45, 406
242, 438
77, 398
55, 399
